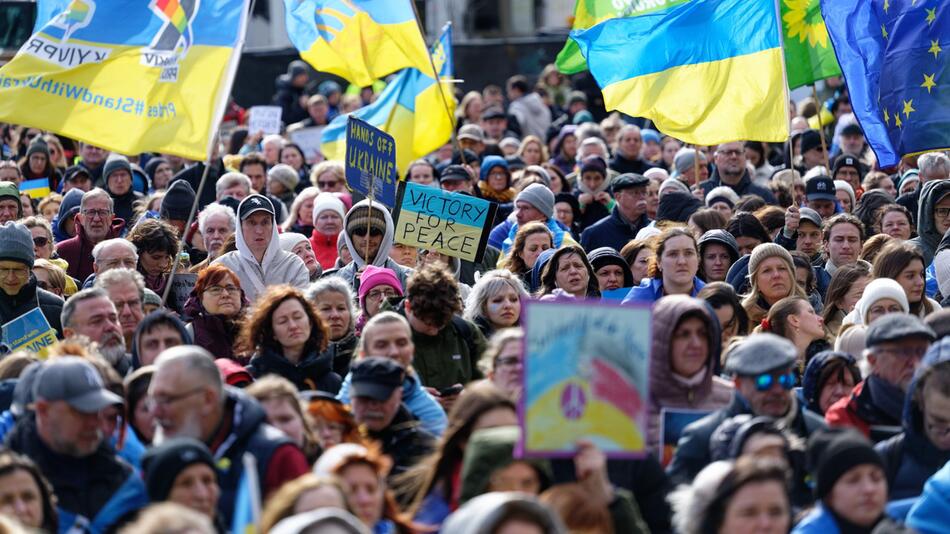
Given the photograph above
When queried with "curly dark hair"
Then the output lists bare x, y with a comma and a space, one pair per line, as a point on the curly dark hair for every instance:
154, 235
549, 275
257, 330
433, 295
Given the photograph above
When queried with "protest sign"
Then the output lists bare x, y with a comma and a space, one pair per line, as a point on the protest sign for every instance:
308, 139
181, 289
453, 224
371, 161
30, 331
615, 294
586, 374
265, 119
672, 423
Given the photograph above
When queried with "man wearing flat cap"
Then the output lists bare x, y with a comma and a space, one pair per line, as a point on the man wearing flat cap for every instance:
93, 486
762, 366
628, 217
896, 343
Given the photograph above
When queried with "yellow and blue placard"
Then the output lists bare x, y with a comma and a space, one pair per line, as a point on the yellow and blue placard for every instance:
127, 75
410, 108
705, 71
36, 188
371, 161
359, 40
30, 331
454, 224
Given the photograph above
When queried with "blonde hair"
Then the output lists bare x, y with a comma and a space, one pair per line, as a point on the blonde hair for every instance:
281, 504
308, 193
331, 166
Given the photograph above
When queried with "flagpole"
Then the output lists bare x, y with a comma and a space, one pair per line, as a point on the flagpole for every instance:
821, 127
438, 82
230, 74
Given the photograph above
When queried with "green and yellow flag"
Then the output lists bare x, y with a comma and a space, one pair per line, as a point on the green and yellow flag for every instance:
808, 53
588, 13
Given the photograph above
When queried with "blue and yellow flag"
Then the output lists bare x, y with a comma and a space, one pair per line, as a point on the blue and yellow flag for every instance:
359, 40
247, 501
410, 109
127, 75
892, 55
706, 71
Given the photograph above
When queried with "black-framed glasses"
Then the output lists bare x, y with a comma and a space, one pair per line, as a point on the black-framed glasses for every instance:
765, 381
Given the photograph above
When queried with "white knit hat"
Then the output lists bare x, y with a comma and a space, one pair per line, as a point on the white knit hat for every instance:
880, 288
674, 184
722, 192
942, 268
327, 201
845, 186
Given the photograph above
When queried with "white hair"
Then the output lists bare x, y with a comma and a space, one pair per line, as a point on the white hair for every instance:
229, 180
933, 160
273, 138
592, 141
96, 192
102, 245
216, 209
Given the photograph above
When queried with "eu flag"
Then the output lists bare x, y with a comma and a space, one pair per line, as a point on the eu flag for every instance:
892, 55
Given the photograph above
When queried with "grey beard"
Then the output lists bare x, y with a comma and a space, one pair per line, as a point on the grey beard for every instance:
112, 354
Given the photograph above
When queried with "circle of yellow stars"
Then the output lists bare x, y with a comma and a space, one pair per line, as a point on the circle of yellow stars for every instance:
929, 79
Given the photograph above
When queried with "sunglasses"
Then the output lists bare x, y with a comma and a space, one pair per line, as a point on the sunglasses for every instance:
324, 185
374, 232
40, 241
764, 382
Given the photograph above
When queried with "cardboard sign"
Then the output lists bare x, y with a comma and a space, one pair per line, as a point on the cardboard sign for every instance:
181, 289
672, 423
586, 374
309, 141
454, 224
371, 161
30, 331
264, 119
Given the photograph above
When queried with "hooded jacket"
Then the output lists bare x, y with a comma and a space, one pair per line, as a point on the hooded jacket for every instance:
124, 205
811, 389
276, 267
910, 458
872, 403
313, 372
146, 325
533, 116
929, 514
382, 259
77, 250
927, 235
10, 190
29, 297
668, 390
98, 490
67, 210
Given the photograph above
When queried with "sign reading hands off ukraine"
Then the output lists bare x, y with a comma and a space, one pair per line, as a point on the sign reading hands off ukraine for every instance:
130, 76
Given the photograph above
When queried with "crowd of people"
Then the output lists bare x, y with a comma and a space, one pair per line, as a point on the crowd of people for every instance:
365, 385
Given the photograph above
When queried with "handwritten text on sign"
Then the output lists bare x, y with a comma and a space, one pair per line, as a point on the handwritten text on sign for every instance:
453, 224
371, 159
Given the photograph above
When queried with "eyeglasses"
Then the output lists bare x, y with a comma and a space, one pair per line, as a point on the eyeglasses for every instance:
92, 214
730, 152
217, 291
18, 272
168, 400
324, 185
507, 361
361, 232
942, 213
40, 241
765, 381
378, 294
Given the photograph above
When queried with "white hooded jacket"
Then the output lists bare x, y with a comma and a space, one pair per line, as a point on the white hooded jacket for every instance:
382, 258
277, 267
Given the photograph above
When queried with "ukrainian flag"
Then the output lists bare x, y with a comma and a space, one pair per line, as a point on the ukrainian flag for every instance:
411, 109
706, 71
247, 502
127, 75
359, 40
36, 188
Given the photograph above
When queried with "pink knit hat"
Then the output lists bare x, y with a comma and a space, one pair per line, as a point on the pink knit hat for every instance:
377, 276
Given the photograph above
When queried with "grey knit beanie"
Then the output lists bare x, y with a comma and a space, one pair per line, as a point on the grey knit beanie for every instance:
540, 197
767, 250
16, 243
285, 175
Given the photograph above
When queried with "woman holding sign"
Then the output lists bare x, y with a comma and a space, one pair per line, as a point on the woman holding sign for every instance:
683, 362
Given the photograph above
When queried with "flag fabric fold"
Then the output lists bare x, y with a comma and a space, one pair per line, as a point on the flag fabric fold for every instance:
705, 72
410, 109
809, 56
359, 40
892, 55
127, 75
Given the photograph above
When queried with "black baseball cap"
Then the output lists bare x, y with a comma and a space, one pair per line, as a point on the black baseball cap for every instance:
820, 188
493, 113
253, 204
376, 377
454, 172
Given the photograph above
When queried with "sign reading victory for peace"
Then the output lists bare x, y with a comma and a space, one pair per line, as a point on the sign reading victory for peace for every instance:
371, 161
586, 374
30, 331
453, 224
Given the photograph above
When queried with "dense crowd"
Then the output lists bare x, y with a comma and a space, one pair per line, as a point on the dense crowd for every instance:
364, 385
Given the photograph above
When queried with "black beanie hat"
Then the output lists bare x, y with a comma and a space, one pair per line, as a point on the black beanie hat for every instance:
161, 465
833, 453
176, 204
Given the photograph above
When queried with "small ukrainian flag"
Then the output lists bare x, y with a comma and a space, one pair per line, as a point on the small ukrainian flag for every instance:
705, 71
36, 188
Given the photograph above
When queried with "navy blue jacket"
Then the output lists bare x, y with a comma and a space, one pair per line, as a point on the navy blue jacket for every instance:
611, 232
